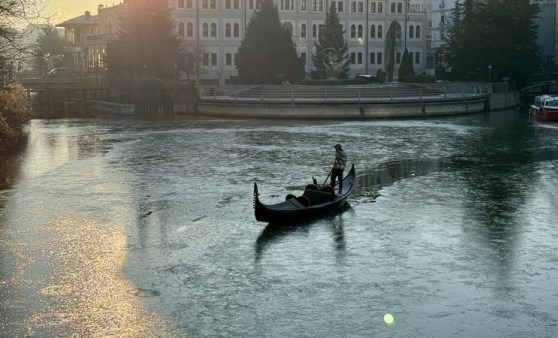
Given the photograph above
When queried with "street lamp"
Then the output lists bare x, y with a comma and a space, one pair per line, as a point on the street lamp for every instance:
490, 73
46, 56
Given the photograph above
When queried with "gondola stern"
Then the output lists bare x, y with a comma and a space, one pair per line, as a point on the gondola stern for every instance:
256, 195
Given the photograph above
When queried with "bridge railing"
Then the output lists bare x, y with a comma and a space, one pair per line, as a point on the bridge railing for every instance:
371, 93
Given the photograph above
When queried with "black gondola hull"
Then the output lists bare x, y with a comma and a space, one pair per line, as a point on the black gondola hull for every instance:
295, 210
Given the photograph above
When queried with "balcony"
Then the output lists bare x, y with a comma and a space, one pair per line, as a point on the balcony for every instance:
97, 37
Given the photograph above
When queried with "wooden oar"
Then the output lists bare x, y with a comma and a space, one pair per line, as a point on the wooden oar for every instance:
327, 177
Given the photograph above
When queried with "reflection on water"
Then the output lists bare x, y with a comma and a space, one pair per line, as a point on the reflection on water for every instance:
144, 226
71, 272
274, 233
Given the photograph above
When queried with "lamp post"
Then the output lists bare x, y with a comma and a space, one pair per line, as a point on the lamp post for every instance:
490, 73
46, 56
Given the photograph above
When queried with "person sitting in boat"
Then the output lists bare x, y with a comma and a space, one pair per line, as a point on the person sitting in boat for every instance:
338, 167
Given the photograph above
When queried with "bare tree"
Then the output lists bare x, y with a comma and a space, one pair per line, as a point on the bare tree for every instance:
194, 57
15, 14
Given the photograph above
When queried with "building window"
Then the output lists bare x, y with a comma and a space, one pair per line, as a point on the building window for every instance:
228, 59
236, 4
205, 4
227, 4
314, 31
205, 30
236, 30
180, 3
398, 57
303, 31
251, 4
417, 57
287, 5
340, 6
303, 5
373, 31
353, 58
353, 31
181, 29
288, 27
372, 7
361, 7
380, 7
379, 58
359, 32
303, 57
188, 3
411, 32
213, 30
228, 30
205, 59
214, 59
213, 4
417, 32
372, 58
400, 7
380, 31
359, 58
189, 30
353, 6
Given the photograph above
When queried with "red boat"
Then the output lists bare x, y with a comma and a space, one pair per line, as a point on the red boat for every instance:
545, 107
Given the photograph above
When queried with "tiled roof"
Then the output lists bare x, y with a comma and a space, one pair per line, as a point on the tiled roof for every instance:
83, 20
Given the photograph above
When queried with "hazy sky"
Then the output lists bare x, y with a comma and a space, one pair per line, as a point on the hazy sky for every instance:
62, 10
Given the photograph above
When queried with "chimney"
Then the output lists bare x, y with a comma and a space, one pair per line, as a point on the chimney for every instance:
87, 15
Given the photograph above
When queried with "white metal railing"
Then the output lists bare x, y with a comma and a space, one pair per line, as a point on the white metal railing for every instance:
431, 91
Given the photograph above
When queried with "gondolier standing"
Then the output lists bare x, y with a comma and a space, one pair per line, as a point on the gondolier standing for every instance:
338, 167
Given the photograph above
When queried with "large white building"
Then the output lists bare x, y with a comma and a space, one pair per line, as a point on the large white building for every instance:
217, 27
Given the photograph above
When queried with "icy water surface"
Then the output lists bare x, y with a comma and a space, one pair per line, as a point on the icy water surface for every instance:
146, 227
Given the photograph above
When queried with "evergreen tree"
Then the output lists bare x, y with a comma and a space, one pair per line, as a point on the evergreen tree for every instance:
393, 37
406, 69
267, 54
146, 44
331, 38
512, 49
493, 32
49, 44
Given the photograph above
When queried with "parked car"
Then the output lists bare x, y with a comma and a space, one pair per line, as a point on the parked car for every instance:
367, 77
60, 72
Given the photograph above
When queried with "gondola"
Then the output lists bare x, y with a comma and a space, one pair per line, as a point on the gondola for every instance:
314, 202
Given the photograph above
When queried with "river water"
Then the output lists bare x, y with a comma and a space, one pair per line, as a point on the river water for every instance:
142, 227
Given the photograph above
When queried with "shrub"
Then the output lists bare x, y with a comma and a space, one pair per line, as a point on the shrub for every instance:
423, 78
15, 113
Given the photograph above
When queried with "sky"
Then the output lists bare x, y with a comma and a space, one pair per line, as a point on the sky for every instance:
61, 10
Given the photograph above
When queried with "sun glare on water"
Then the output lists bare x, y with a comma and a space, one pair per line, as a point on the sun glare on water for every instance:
388, 318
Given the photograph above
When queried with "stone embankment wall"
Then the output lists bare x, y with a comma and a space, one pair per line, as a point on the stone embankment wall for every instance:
498, 101
346, 102
341, 110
